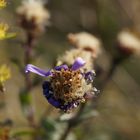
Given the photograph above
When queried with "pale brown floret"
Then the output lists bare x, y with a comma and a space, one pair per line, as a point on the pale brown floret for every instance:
129, 42
69, 85
33, 16
86, 41
70, 56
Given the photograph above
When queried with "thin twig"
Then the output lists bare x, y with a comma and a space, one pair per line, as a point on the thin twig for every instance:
27, 59
73, 122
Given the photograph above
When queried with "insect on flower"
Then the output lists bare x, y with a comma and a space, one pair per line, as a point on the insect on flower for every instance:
67, 87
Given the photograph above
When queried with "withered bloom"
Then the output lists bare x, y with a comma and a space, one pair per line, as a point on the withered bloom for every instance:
128, 43
67, 87
86, 41
69, 57
33, 17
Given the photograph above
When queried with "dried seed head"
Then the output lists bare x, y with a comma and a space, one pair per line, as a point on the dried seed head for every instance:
70, 56
33, 16
86, 41
128, 42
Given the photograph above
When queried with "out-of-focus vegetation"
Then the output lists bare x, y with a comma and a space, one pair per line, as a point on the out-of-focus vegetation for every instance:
115, 113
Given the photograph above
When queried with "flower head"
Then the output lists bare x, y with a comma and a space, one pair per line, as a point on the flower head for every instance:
33, 16
86, 41
70, 56
3, 3
128, 42
4, 75
67, 87
3, 32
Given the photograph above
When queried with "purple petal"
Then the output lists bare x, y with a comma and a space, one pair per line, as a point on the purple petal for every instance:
89, 95
65, 67
89, 76
70, 106
79, 62
34, 69
46, 89
54, 102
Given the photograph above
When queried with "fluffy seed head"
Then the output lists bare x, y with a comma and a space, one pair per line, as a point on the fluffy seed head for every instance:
86, 42
33, 16
70, 56
128, 42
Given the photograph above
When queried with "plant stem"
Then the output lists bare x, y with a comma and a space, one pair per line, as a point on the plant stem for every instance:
116, 61
27, 59
67, 131
74, 121
27, 56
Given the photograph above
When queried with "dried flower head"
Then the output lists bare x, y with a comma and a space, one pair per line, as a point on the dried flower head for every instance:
86, 42
3, 32
3, 3
67, 87
128, 42
70, 56
33, 16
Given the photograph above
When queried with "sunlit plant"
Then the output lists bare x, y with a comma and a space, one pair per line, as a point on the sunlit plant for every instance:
3, 3
4, 32
5, 74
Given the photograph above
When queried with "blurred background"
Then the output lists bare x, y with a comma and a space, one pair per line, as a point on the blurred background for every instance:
117, 113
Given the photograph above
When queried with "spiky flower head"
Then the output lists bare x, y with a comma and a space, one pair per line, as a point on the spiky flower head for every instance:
69, 57
67, 87
128, 42
33, 16
4, 32
3, 3
5, 74
86, 41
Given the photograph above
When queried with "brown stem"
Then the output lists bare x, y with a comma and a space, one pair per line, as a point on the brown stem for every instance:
116, 61
27, 59
28, 55
73, 122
